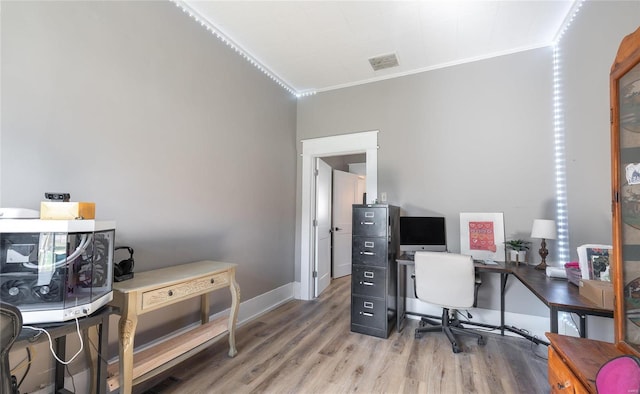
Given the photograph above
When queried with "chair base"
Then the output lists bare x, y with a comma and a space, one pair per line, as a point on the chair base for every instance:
449, 326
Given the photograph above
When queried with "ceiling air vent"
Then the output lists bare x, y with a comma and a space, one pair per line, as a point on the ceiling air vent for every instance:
384, 61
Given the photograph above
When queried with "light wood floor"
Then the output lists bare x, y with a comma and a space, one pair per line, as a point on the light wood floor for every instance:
307, 347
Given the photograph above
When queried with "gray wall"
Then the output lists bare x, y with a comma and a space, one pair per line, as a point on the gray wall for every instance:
134, 106
588, 50
478, 137
459, 139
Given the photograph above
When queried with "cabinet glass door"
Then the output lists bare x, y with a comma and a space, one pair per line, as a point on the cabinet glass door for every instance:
626, 124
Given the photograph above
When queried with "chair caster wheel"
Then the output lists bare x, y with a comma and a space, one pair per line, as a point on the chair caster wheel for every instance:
456, 349
417, 335
422, 323
481, 341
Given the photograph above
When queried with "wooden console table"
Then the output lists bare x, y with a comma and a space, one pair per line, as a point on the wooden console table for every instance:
152, 290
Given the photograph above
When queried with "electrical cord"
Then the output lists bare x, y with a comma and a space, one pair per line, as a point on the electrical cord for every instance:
29, 360
97, 351
73, 381
25, 361
467, 319
51, 342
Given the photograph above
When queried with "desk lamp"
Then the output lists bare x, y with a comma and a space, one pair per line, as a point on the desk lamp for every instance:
544, 229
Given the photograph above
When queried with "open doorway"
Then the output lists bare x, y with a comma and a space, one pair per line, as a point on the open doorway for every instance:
340, 183
348, 188
347, 144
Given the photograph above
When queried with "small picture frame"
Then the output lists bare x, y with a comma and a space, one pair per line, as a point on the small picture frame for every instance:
482, 235
594, 261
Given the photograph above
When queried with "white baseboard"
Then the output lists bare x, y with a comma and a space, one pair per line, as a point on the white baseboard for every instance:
535, 326
80, 381
259, 305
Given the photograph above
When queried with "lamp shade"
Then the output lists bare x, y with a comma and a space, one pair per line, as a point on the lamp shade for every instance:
543, 228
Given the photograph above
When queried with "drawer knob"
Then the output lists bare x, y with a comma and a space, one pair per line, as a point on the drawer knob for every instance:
170, 293
213, 280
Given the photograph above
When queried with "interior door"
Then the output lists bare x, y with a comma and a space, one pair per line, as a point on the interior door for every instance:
347, 190
322, 264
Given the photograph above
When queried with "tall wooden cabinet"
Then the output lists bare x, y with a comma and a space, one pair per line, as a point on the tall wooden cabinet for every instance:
375, 245
625, 142
574, 362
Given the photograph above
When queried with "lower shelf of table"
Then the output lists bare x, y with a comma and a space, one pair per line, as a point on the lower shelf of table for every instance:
167, 354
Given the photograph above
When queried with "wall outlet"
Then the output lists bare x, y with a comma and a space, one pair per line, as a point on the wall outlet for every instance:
383, 196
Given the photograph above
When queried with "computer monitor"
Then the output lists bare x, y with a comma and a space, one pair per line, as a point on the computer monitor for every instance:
419, 233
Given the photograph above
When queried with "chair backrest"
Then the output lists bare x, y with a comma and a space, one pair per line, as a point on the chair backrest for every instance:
445, 279
10, 327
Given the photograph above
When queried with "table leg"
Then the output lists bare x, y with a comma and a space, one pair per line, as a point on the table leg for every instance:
127, 332
233, 314
60, 349
583, 326
204, 308
103, 343
88, 337
401, 289
554, 319
503, 288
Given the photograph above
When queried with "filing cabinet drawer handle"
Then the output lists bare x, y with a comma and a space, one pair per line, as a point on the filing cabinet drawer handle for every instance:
368, 304
368, 274
366, 314
369, 244
368, 253
366, 283
368, 223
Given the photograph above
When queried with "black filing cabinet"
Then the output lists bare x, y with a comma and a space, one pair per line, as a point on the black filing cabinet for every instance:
375, 245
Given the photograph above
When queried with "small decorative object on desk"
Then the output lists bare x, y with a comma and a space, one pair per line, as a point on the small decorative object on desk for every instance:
573, 272
517, 250
594, 261
544, 229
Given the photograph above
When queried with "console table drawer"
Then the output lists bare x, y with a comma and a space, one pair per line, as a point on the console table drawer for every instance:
170, 294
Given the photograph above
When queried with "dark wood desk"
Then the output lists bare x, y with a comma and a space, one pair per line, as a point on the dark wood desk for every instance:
558, 294
59, 331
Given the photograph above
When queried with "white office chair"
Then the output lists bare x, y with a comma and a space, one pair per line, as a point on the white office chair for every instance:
447, 280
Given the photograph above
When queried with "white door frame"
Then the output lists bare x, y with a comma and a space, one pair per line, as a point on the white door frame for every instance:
345, 144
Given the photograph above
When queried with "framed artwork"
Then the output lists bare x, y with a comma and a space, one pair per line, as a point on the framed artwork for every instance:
594, 261
482, 235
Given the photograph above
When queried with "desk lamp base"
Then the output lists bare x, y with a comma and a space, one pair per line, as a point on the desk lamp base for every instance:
543, 255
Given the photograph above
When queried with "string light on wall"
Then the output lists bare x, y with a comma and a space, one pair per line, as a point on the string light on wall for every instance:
227, 41
562, 212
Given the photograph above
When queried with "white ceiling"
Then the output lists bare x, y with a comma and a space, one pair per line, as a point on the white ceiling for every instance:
322, 45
